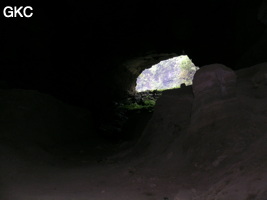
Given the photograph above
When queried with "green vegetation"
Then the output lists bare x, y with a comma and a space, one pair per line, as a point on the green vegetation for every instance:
145, 105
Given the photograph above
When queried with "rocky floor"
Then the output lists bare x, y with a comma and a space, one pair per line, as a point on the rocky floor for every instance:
205, 142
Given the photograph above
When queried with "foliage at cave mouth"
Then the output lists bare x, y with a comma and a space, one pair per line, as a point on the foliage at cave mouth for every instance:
167, 74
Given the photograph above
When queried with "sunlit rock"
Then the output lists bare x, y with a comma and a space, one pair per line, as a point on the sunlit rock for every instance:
167, 74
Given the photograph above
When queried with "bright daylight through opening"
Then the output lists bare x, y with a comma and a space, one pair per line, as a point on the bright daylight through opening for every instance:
167, 74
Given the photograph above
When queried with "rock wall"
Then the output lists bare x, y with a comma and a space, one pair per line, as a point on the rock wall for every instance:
214, 95
218, 147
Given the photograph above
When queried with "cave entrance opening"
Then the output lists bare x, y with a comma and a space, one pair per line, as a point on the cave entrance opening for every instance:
167, 74
138, 107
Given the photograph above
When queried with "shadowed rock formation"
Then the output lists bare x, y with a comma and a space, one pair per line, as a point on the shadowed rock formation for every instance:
214, 88
203, 142
219, 147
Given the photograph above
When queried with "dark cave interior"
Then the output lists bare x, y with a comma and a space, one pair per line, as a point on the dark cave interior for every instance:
88, 56
74, 51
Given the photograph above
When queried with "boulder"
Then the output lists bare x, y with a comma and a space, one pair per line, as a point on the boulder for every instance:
171, 116
214, 88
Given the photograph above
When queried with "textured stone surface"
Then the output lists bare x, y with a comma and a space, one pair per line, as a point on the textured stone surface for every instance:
214, 95
167, 74
222, 144
170, 117
224, 157
124, 78
214, 78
